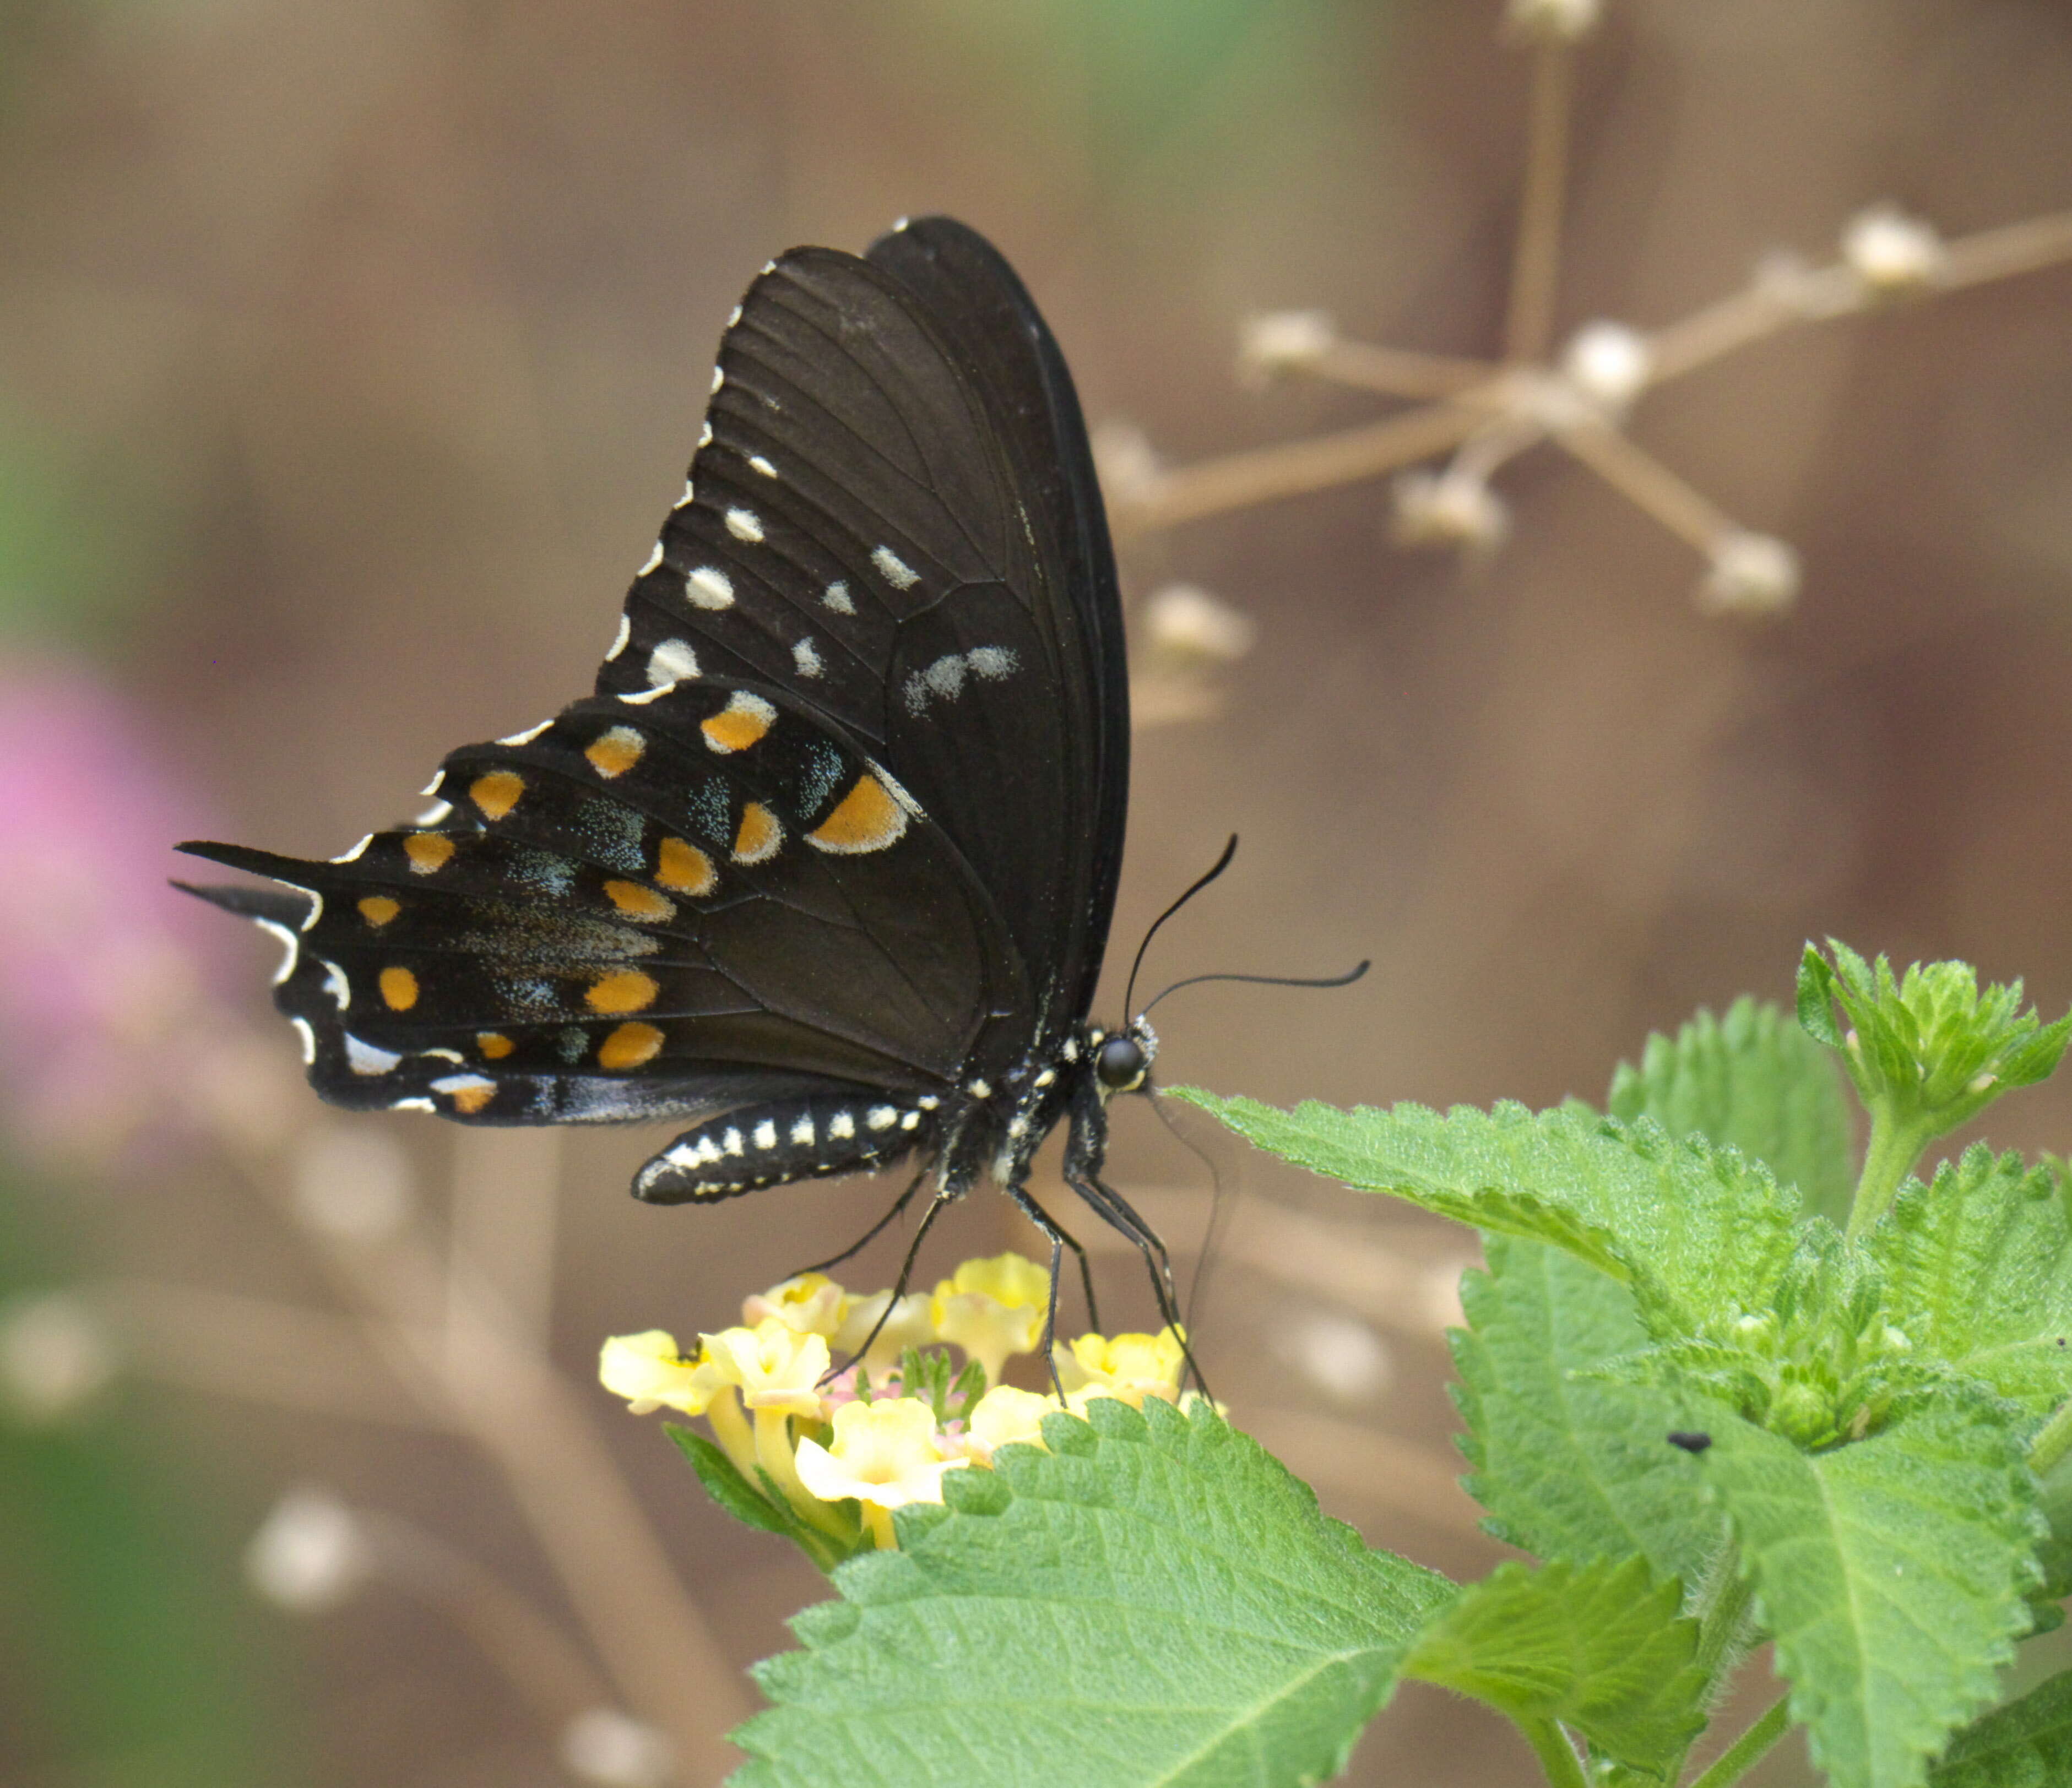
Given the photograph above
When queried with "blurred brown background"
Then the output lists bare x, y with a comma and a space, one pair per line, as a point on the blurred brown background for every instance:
350, 355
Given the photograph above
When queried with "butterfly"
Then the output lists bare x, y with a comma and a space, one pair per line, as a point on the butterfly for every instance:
825, 867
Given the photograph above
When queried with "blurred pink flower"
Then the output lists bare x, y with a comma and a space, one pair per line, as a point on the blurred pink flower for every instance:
104, 1023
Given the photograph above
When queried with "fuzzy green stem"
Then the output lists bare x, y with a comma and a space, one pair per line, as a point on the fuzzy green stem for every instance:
1742, 1755
1723, 1617
1896, 1144
1557, 1756
2052, 1443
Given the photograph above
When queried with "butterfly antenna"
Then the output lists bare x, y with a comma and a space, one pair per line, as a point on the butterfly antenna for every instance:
1217, 869
1346, 979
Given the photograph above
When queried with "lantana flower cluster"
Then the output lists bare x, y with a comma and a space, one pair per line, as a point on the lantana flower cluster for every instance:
842, 1450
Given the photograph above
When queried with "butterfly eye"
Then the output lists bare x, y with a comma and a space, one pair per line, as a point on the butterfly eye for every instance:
1121, 1064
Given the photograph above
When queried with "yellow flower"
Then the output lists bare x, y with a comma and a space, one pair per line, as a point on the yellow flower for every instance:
1130, 1366
910, 1325
776, 1367
810, 1302
993, 1308
886, 1454
650, 1372
1003, 1415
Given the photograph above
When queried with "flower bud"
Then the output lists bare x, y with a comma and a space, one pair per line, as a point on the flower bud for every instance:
1449, 509
1282, 342
309, 1553
1752, 577
1608, 363
1894, 255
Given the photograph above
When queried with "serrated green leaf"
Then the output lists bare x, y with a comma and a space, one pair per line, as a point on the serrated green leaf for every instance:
1157, 1601
2027, 1744
1891, 1574
1753, 1081
1978, 1266
1598, 1647
1572, 1468
1698, 1233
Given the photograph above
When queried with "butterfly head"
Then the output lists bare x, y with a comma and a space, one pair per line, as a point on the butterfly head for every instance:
1123, 1059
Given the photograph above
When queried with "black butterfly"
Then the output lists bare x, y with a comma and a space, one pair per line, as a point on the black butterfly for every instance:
826, 865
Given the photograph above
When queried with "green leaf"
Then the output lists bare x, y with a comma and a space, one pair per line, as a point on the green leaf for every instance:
1572, 1468
1891, 1573
725, 1485
1699, 1234
1753, 1081
1599, 1648
2027, 1744
1154, 1599
1978, 1267
1928, 1047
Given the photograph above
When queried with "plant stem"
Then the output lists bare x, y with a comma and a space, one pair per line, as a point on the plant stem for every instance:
1557, 1756
2052, 1443
1895, 1146
1741, 1755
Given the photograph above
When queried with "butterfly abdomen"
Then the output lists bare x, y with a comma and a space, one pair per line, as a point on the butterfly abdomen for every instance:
792, 1138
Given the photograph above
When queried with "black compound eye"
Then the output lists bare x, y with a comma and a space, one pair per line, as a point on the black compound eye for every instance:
1120, 1063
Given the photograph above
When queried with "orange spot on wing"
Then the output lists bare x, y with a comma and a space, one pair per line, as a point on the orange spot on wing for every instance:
428, 851
377, 909
494, 1044
623, 990
642, 903
759, 836
744, 719
468, 1100
614, 753
684, 867
496, 793
629, 1046
866, 819
399, 988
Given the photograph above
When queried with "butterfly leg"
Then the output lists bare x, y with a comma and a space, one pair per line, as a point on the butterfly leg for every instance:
1085, 1151
947, 1194
873, 1232
1060, 1239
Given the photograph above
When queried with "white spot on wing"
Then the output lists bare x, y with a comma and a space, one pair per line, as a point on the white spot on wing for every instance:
805, 658
893, 569
992, 663
763, 465
437, 813
532, 733
744, 524
766, 1135
309, 1037
687, 498
464, 1082
365, 1059
881, 1117
336, 984
708, 587
352, 856
671, 662
802, 1135
836, 596
641, 697
413, 1105
704, 435
735, 317
719, 378
654, 559
842, 1125
289, 941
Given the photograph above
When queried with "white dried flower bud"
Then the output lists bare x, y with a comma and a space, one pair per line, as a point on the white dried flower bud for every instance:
1559, 21
1894, 255
615, 1750
1185, 622
353, 1185
1752, 576
1610, 363
1449, 509
1282, 341
309, 1553
1124, 460
1339, 1355
55, 1354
